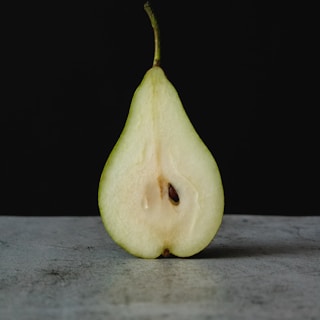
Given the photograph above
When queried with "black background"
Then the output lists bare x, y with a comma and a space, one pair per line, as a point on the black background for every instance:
244, 71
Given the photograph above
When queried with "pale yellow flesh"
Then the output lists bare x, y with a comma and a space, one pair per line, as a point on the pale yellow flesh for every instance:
159, 146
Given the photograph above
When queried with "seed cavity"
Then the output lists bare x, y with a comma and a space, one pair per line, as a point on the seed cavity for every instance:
173, 195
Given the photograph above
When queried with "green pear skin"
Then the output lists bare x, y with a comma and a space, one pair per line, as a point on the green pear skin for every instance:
160, 192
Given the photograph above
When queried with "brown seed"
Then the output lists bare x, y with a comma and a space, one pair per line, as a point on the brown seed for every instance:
173, 195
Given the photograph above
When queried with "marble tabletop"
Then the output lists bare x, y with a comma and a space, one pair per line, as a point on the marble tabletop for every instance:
257, 267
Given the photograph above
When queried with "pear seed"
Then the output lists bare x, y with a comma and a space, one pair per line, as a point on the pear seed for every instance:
173, 195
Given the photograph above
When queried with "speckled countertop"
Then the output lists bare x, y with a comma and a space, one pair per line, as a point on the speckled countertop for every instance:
257, 267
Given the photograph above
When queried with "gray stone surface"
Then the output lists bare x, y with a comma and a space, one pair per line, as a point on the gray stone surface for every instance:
257, 267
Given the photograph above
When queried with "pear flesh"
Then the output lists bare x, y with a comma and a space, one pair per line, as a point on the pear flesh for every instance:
160, 191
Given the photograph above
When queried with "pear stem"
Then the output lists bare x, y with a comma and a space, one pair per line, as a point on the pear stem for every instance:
156, 31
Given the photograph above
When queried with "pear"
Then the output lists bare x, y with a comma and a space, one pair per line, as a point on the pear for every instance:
160, 191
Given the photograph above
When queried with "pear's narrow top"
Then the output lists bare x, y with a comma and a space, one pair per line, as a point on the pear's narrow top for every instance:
156, 31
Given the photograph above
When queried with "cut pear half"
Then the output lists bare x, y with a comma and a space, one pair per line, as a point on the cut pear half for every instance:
160, 191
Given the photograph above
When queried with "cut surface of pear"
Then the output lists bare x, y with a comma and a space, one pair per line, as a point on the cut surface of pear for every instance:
160, 191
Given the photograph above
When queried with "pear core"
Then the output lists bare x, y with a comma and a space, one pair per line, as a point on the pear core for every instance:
160, 191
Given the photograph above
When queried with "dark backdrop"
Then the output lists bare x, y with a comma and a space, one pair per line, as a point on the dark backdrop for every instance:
242, 69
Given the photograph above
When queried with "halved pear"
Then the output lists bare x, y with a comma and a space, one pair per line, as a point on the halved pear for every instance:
160, 191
